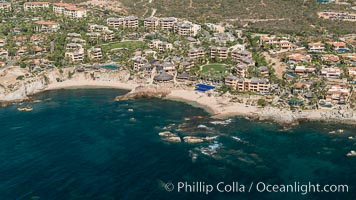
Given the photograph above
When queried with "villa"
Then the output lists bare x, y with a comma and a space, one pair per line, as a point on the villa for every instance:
297, 58
339, 46
75, 12
338, 94
46, 26
35, 5
331, 72
316, 47
330, 58
286, 45
268, 40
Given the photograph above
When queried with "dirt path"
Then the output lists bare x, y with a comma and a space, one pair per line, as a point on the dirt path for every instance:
191, 4
154, 10
263, 3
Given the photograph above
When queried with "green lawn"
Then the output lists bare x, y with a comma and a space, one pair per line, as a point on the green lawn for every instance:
214, 69
132, 45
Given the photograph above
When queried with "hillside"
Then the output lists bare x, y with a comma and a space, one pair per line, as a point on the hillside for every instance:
265, 15
291, 16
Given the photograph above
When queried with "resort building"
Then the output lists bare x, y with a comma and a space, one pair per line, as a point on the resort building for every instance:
123, 22
242, 71
108, 35
316, 47
167, 23
231, 81
219, 52
75, 56
95, 53
5, 7
151, 23
349, 58
97, 28
58, 8
331, 72
240, 55
73, 46
215, 28
77, 40
263, 70
259, 85
186, 28
139, 62
163, 77
196, 53
75, 12
46, 26
161, 46
35, 5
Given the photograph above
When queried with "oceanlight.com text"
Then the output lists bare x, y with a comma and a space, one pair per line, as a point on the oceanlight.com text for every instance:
261, 187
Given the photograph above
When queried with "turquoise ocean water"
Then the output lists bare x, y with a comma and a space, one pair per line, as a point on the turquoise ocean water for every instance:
80, 144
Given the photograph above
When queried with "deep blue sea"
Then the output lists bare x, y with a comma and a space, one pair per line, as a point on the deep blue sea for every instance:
80, 144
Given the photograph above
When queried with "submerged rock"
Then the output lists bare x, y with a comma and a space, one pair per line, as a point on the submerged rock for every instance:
169, 136
166, 134
172, 139
192, 139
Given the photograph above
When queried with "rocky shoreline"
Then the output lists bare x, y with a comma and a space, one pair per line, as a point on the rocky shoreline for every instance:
22, 92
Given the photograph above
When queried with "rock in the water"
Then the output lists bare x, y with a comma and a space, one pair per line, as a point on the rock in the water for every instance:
144, 92
191, 139
166, 134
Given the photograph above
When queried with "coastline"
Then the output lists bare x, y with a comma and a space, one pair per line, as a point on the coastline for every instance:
87, 84
218, 107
